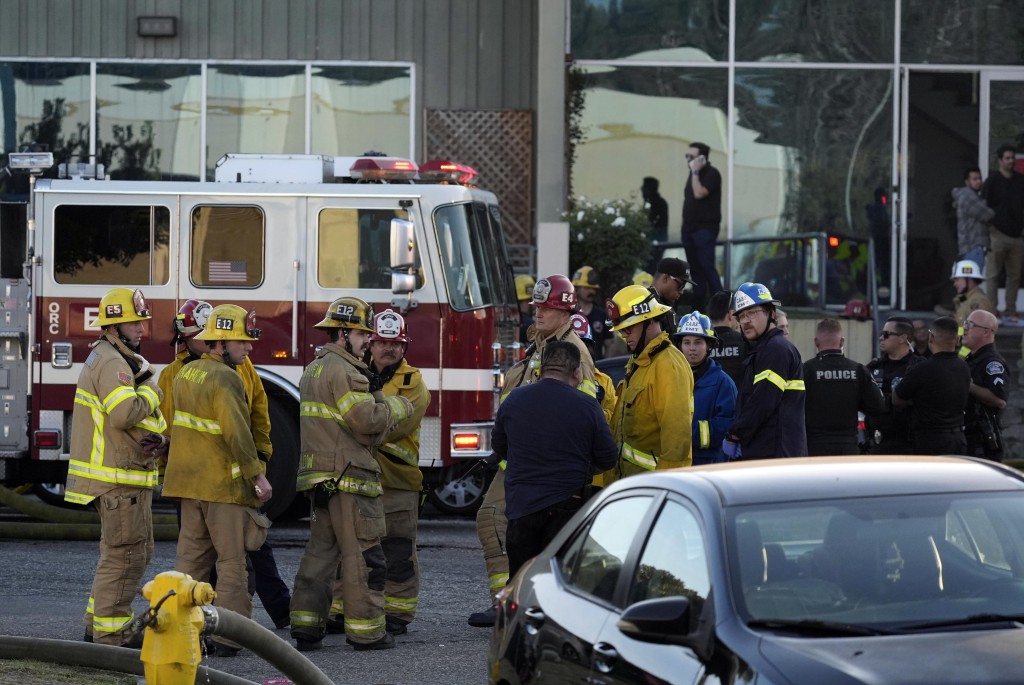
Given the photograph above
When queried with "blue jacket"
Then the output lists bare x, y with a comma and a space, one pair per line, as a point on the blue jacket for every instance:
714, 407
770, 412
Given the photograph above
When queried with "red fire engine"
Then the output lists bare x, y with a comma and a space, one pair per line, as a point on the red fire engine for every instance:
285, 235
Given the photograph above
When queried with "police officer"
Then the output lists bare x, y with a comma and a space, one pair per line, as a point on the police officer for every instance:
400, 475
714, 393
554, 303
967, 279
668, 283
654, 409
770, 415
213, 466
731, 346
837, 389
343, 415
889, 429
936, 391
988, 387
114, 424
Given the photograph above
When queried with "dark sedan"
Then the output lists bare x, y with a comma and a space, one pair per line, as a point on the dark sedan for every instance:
820, 571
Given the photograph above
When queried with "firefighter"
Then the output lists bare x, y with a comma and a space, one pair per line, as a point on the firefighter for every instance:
606, 387
213, 466
554, 302
654, 408
936, 391
189, 322
988, 391
714, 392
524, 294
967, 279
770, 413
587, 283
837, 389
116, 428
889, 429
344, 414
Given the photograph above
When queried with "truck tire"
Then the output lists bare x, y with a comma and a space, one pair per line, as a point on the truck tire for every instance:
284, 463
461, 488
53, 494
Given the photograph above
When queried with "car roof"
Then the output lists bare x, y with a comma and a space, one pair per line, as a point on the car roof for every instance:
817, 478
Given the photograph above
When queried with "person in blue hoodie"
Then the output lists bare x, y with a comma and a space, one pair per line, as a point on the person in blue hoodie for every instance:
714, 392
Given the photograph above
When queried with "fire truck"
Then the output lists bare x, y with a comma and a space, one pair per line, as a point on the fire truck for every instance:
284, 235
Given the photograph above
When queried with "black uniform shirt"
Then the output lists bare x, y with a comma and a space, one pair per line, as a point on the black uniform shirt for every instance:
988, 370
729, 353
938, 387
837, 388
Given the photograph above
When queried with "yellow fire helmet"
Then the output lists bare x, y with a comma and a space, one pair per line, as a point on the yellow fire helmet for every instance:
230, 322
348, 312
586, 277
524, 287
122, 305
643, 278
633, 304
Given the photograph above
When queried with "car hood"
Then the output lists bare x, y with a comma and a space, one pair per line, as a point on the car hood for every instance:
980, 657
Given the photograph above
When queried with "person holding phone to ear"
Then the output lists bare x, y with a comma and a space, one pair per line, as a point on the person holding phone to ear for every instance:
702, 220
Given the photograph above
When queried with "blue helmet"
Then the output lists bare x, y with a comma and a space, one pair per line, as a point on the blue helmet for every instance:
751, 295
697, 324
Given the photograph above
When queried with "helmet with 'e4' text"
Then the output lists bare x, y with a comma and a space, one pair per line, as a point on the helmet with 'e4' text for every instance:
230, 322
632, 305
555, 292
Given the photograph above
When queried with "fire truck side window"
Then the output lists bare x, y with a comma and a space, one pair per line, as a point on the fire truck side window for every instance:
111, 244
354, 247
468, 268
227, 246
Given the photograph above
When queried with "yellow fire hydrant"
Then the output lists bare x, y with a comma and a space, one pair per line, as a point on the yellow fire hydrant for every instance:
171, 650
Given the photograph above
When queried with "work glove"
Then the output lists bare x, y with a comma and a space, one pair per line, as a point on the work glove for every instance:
731, 450
491, 462
376, 382
155, 444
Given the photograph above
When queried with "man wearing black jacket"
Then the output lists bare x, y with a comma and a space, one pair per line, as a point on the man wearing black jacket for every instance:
988, 387
889, 429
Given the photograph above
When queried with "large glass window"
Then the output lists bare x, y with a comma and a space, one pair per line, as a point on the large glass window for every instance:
807, 31
812, 148
148, 120
354, 247
255, 109
357, 109
111, 245
639, 121
467, 258
962, 32
227, 246
677, 30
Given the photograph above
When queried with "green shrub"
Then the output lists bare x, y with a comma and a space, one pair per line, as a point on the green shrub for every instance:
610, 236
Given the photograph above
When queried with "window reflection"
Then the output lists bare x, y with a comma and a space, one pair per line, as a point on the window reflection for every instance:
111, 244
962, 32
147, 120
639, 121
802, 31
255, 109
356, 109
227, 246
353, 247
677, 30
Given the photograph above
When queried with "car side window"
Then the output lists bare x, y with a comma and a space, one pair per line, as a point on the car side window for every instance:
674, 560
593, 561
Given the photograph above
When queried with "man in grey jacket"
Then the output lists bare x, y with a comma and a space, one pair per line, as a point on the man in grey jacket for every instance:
972, 217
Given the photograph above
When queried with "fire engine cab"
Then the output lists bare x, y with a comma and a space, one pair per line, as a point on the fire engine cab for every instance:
284, 235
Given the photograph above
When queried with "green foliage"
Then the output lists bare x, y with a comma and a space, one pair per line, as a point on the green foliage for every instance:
610, 236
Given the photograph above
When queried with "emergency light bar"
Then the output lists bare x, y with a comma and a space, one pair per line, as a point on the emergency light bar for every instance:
440, 170
383, 169
29, 161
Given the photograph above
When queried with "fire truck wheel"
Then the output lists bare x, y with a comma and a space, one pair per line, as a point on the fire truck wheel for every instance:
284, 434
460, 489
53, 494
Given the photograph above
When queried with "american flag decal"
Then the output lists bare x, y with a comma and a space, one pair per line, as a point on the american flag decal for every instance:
228, 271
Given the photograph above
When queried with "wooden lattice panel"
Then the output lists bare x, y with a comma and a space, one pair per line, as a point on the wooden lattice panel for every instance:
499, 145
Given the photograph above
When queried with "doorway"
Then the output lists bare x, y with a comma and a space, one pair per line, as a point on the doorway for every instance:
942, 133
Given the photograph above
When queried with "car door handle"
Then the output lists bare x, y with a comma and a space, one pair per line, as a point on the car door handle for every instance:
534, 616
605, 657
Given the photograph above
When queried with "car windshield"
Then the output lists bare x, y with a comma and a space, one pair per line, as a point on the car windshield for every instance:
888, 563
470, 257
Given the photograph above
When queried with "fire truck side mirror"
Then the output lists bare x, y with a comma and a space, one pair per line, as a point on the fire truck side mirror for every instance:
402, 284
403, 245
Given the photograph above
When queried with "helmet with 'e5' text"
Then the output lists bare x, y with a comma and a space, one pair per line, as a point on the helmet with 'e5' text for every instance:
122, 305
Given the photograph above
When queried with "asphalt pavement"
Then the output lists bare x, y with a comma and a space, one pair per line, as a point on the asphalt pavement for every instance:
45, 585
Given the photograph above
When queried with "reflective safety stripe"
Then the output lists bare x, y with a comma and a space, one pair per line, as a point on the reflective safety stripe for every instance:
196, 423
307, 480
398, 408
156, 424
497, 581
398, 451
503, 464
319, 410
149, 394
778, 381
588, 388
236, 471
307, 619
367, 626
705, 433
400, 605
107, 624
351, 399
360, 486
116, 397
104, 474
338, 607
635, 456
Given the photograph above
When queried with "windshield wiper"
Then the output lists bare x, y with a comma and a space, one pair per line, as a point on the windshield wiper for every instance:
814, 627
972, 620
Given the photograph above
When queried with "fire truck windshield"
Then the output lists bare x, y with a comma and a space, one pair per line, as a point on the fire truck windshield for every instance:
471, 273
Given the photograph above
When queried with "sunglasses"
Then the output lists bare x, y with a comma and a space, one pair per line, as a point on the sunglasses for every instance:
885, 335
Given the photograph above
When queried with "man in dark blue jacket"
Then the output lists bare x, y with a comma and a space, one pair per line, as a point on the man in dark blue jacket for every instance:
770, 412
553, 438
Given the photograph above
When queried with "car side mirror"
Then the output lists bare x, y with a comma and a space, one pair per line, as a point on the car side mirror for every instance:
671, 620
